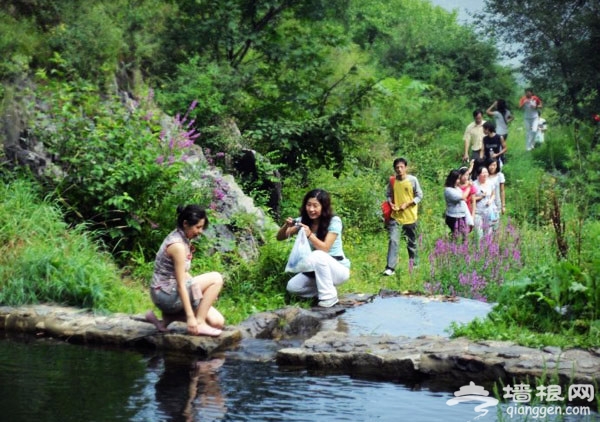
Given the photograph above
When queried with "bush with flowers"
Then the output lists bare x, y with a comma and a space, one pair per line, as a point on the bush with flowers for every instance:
474, 269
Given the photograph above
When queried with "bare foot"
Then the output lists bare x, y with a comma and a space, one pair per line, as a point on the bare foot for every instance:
153, 319
207, 330
217, 326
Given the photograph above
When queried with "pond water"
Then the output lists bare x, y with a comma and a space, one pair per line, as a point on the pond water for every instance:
411, 316
48, 380
54, 381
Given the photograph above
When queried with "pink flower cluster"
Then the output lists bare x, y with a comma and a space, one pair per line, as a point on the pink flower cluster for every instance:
474, 269
182, 138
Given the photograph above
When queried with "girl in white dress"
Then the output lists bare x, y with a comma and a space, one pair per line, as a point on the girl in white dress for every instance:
484, 199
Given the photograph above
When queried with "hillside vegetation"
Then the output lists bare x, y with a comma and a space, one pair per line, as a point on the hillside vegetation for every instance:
327, 94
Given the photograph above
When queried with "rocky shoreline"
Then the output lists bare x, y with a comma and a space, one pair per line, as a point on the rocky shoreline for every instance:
322, 347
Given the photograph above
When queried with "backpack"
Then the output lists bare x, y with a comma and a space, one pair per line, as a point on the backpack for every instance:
386, 208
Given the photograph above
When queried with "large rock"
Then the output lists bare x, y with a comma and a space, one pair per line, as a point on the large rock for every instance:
85, 327
406, 359
289, 322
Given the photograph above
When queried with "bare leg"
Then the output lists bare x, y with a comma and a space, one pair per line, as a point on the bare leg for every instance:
211, 284
161, 325
153, 319
215, 318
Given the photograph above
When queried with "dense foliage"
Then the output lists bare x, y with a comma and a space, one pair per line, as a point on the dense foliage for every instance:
557, 42
295, 75
328, 92
116, 168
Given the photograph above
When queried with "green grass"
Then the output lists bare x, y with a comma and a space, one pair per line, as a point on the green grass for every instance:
42, 260
498, 329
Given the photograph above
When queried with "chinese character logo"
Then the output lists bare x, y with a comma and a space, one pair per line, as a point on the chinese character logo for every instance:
473, 393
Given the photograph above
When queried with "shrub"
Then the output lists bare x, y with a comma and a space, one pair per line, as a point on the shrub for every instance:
19, 43
355, 196
552, 298
119, 169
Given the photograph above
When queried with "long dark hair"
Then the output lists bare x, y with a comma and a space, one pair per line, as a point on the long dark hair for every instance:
326, 211
191, 214
452, 178
479, 162
493, 160
501, 107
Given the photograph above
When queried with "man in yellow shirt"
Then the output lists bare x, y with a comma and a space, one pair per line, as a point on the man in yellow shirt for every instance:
403, 195
473, 136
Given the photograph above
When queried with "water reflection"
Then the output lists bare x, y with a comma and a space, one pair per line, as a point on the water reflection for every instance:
264, 392
189, 389
55, 381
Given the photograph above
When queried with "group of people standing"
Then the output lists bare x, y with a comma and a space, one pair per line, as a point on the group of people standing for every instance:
484, 139
481, 141
474, 197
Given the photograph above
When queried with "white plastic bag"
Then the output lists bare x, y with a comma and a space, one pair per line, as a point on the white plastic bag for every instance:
468, 216
300, 251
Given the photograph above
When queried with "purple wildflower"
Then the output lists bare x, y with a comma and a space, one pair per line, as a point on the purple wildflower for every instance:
218, 194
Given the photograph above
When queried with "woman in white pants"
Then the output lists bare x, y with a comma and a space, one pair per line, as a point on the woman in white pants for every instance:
530, 104
329, 264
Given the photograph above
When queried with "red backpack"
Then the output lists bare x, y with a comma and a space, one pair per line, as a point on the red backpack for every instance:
386, 208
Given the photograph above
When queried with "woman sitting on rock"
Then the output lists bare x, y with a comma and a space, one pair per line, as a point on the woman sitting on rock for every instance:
179, 295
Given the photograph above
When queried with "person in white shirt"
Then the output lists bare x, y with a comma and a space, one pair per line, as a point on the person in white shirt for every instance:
473, 136
531, 104
539, 137
485, 205
330, 265
496, 177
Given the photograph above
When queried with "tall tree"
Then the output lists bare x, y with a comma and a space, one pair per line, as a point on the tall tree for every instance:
284, 70
558, 42
413, 38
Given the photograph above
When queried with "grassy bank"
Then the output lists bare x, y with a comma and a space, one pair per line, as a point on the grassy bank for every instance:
43, 260
542, 300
